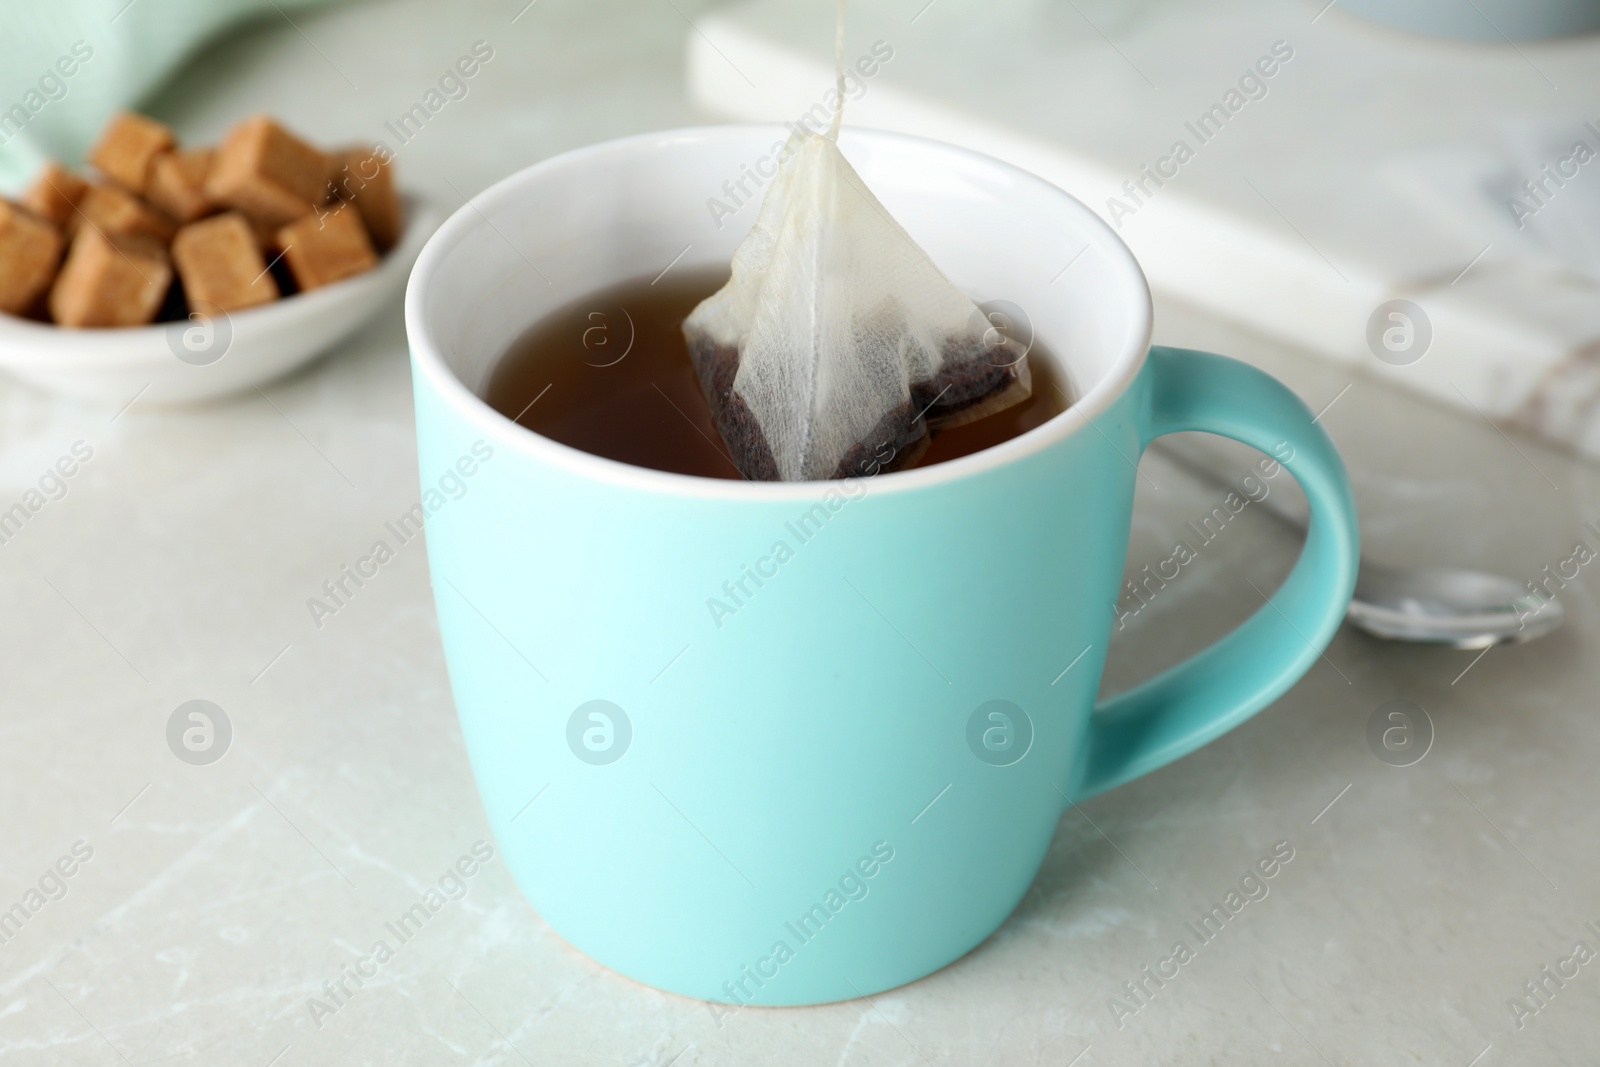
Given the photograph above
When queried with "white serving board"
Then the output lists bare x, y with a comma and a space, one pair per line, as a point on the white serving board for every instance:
1349, 182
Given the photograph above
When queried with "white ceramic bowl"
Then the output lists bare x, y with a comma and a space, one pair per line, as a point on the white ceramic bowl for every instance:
188, 362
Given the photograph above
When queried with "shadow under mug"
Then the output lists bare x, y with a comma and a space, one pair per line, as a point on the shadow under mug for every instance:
847, 775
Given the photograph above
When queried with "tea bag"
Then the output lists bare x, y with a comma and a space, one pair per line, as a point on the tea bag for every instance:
837, 347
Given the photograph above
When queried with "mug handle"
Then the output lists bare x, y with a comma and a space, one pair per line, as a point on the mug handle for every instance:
1215, 690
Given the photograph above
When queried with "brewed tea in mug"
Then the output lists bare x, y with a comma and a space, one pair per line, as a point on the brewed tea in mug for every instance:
610, 374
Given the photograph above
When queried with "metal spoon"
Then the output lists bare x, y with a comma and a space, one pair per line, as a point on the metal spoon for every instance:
1437, 606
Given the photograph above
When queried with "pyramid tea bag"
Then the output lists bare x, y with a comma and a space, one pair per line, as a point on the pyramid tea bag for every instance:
837, 347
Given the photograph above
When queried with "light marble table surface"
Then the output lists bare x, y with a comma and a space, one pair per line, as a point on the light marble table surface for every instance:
219, 898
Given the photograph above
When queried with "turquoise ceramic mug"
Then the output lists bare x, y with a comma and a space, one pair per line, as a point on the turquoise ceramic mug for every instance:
851, 778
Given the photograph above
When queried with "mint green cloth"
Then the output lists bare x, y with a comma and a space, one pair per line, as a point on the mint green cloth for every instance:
118, 53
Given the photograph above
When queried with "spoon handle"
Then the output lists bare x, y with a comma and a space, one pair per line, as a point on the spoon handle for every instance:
1206, 466
1393, 603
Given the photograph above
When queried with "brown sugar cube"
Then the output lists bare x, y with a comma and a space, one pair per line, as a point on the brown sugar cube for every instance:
364, 178
30, 248
221, 265
116, 213
267, 172
324, 248
54, 196
126, 148
178, 183
266, 236
110, 281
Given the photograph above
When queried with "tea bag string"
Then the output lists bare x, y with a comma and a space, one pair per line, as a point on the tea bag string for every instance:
852, 181
838, 69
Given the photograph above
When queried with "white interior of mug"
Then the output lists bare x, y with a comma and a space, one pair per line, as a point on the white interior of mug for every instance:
627, 209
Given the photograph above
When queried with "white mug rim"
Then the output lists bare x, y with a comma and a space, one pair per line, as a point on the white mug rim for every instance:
430, 364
